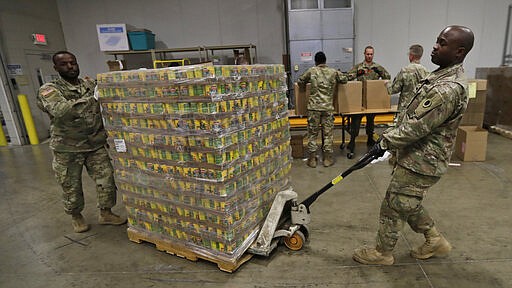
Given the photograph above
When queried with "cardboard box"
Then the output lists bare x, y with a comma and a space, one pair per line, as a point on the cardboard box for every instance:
116, 65
375, 95
471, 143
350, 97
481, 84
112, 37
301, 99
297, 143
474, 115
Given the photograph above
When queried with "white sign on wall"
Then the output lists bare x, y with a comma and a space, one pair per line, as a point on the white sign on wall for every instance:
306, 56
14, 69
112, 37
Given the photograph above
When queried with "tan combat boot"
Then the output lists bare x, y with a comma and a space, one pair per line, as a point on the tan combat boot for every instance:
312, 160
435, 245
371, 256
328, 159
109, 218
78, 222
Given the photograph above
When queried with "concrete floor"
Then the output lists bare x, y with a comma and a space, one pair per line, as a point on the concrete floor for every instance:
471, 204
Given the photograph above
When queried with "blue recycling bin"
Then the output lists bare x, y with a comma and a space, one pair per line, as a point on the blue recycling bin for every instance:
141, 40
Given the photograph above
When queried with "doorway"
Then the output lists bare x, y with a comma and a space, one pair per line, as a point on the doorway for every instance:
40, 71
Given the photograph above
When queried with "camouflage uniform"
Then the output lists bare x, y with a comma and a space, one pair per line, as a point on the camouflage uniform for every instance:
320, 105
361, 72
405, 82
424, 139
77, 139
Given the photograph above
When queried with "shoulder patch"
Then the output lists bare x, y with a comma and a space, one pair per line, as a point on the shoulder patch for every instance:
426, 105
46, 91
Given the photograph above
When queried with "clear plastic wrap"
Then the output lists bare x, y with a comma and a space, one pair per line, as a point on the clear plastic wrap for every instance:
199, 151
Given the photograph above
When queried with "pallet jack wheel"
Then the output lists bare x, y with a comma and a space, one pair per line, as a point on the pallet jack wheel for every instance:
296, 241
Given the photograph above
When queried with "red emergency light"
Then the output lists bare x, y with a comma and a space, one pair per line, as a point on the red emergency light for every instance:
39, 39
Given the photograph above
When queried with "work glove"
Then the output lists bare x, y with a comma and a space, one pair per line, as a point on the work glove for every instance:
360, 72
384, 157
96, 93
376, 70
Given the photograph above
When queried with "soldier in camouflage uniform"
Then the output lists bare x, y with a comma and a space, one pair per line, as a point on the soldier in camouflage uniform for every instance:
78, 139
405, 83
407, 79
366, 70
320, 107
424, 138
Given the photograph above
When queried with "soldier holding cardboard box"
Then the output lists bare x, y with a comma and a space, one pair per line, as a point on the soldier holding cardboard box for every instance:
321, 107
366, 70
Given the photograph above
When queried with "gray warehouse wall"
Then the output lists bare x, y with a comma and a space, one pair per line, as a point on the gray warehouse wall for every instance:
177, 23
389, 25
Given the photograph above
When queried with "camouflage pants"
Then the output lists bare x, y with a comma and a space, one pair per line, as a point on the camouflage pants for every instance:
68, 168
403, 203
315, 119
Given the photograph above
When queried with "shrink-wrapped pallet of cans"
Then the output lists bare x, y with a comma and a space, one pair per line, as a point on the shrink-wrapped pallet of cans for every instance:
199, 151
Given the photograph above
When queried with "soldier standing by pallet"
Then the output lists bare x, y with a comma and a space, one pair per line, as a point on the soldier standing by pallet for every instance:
320, 107
424, 138
78, 139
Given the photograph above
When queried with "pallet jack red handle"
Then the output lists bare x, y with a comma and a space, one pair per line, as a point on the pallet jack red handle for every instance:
362, 162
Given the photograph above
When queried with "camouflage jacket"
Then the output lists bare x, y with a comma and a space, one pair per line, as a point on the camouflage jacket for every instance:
425, 137
363, 71
76, 124
405, 83
323, 83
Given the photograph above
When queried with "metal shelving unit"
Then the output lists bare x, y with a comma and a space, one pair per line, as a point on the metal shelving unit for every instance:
159, 56
205, 53
250, 53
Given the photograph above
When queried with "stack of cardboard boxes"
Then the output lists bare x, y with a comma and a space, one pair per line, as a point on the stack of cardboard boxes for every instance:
471, 142
199, 153
354, 96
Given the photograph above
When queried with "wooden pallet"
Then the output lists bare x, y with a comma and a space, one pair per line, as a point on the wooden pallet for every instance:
180, 250
502, 131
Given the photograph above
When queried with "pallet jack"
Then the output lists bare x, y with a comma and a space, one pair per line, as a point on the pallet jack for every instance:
287, 220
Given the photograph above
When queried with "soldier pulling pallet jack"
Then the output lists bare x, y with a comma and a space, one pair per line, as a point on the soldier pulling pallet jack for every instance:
424, 141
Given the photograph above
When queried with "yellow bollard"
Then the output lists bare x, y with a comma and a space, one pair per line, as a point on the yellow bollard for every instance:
27, 118
3, 140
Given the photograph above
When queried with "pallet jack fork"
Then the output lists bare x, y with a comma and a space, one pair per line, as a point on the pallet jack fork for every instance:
287, 219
